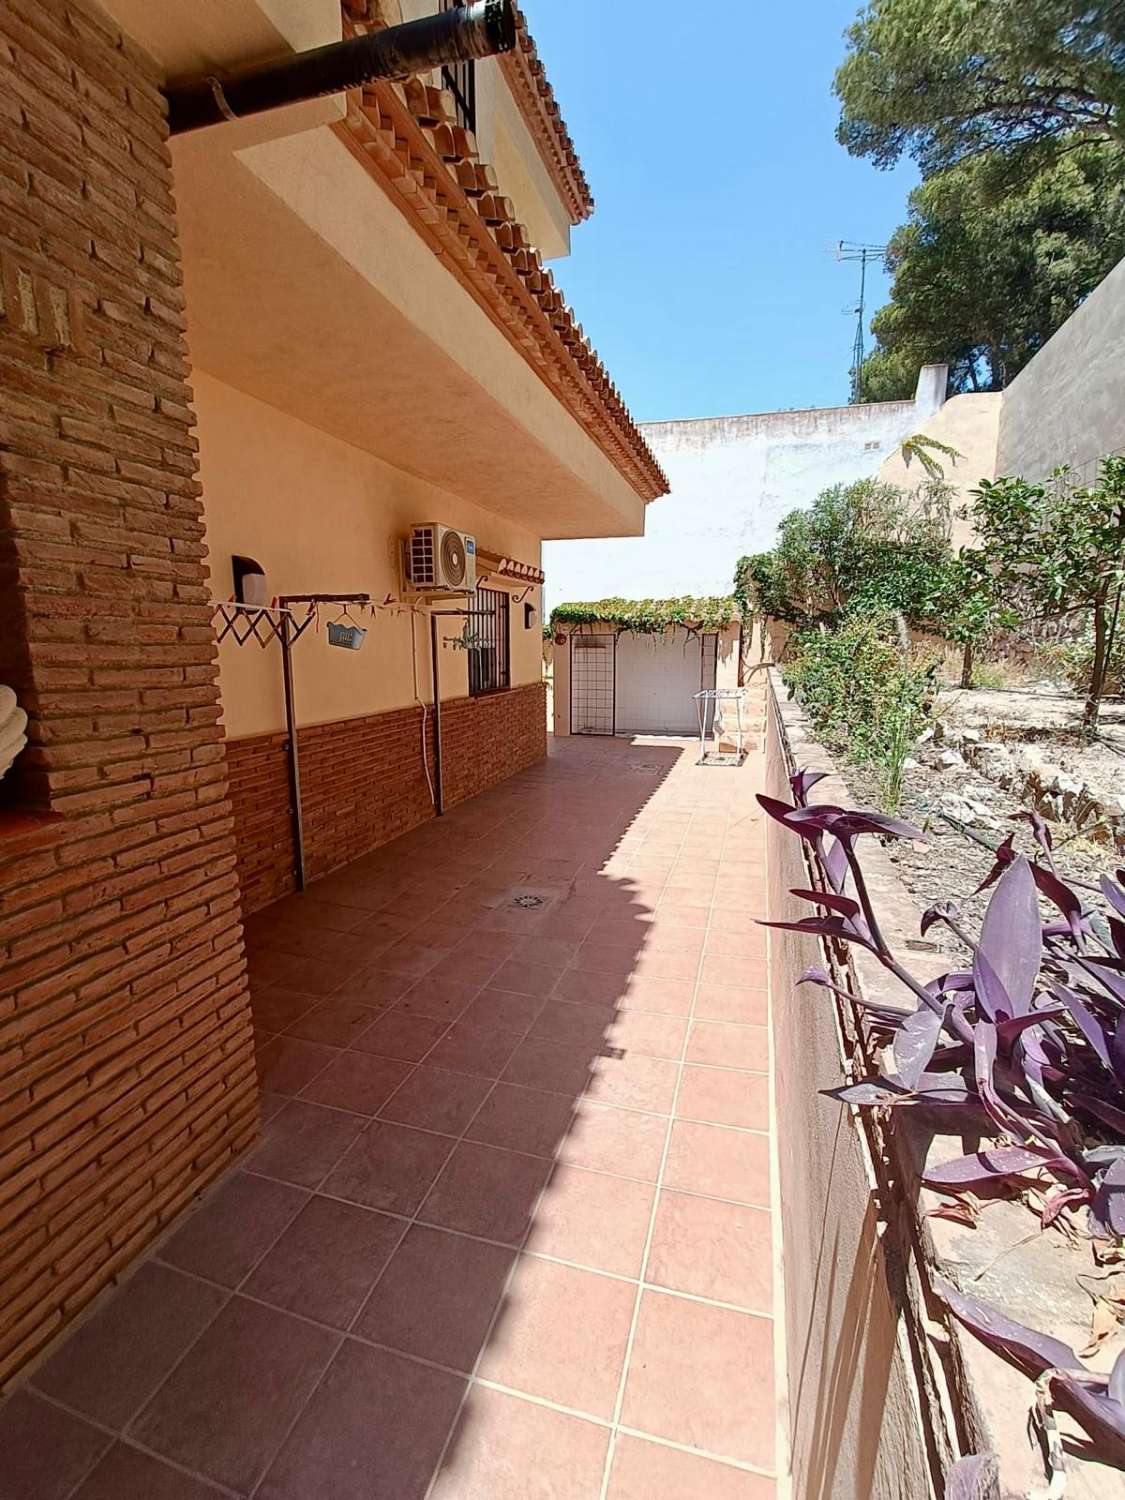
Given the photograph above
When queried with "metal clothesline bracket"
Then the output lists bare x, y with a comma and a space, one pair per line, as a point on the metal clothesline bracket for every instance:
264, 623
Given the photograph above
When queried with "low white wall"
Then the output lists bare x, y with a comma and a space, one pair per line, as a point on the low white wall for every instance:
732, 479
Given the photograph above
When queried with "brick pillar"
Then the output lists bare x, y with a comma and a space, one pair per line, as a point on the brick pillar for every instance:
126, 1064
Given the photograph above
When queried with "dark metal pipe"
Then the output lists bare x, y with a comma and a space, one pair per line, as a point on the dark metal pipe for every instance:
439, 790
435, 616
292, 757
481, 29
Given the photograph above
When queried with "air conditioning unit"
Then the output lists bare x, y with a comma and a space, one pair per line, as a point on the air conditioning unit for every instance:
440, 560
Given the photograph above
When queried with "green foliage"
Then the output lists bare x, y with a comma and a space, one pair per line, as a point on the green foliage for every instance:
926, 450
1058, 549
866, 701
986, 269
861, 546
1075, 661
651, 616
944, 80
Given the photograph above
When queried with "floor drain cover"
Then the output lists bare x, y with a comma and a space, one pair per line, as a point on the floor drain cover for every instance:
529, 903
644, 768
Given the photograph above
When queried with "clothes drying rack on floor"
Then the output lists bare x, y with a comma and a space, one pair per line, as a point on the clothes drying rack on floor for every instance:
713, 707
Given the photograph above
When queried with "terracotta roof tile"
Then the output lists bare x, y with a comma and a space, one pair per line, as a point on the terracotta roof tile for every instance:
527, 79
408, 138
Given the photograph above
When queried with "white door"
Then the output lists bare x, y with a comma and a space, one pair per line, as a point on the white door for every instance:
658, 677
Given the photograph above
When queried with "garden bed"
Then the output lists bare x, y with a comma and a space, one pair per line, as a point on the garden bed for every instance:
994, 754
969, 1399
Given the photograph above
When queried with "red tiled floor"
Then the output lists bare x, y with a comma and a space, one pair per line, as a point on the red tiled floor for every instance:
302, 1142
227, 1407
486, 1192
401, 1034
390, 1167
594, 1220
286, 1064
507, 1449
327, 1261
127, 1474
335, 1023
719, 1162
703, 1376
481, 1051
440, 999
521, 1119
373, 1431
502, 1234
562, 1336
44, 1451
722, 1045
357, 1081
138, 1335
607, 1139
233, 1228
725, 1002
545, 1065
652, 1471
634, 1081
431, 1099
437, 1297
503, 1011
722, 1251
720, 1096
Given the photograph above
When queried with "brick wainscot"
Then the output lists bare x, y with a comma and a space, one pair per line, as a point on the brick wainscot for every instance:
363, 783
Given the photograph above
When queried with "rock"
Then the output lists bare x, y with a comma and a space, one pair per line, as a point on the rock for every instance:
910, 764
994, 761
957, 807
926, 736
948, 759
971, 736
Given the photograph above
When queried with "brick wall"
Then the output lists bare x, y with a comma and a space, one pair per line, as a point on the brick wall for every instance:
126, 1070
362, 782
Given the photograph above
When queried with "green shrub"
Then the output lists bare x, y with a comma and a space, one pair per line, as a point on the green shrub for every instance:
868, 703
1075, 661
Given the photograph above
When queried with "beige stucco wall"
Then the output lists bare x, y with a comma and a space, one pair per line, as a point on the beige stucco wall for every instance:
308, 288
969, 423
321, 516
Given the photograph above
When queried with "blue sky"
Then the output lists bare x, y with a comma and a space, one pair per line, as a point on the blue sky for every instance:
706, 128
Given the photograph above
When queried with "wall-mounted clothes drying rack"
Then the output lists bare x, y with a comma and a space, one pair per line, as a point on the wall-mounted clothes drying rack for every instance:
281, 622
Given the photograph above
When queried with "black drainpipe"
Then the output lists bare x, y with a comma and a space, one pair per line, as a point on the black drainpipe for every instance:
477, 30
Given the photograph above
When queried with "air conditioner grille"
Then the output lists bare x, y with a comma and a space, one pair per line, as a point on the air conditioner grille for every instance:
423, 573
453, 565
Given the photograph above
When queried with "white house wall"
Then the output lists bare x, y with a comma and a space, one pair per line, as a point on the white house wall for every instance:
732, 479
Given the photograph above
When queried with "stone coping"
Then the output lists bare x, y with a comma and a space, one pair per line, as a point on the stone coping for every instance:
973, 1400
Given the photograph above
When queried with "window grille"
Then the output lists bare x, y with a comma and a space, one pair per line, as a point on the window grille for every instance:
460, 78
489, 663
593, 683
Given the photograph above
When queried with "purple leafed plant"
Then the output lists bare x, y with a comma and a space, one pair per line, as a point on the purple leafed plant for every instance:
1024, 1042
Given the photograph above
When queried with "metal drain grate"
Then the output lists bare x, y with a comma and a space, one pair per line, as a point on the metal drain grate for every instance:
644, 768
529, 903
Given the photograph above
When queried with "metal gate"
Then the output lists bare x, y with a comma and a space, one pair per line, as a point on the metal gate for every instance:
592, 683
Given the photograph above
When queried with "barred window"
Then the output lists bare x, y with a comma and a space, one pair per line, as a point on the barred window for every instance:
460, 79
489, 665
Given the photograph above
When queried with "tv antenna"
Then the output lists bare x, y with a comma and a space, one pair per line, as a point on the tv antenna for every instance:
865, 255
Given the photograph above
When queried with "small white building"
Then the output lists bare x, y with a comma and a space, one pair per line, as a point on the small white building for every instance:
610, 679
